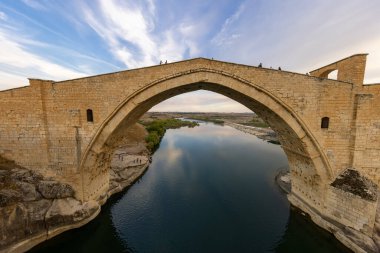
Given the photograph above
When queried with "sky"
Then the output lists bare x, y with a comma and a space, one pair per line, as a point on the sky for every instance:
59, 40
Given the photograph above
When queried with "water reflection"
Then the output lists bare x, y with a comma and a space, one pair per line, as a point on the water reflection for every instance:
301, 240
208, 189
172, 153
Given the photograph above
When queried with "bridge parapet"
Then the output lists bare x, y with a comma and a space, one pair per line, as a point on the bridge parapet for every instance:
350, 69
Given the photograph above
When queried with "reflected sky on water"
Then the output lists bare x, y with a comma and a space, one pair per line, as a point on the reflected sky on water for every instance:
209, 189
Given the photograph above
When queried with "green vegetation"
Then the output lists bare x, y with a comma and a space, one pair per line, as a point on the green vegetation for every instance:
256, 122
157, 128
208, 119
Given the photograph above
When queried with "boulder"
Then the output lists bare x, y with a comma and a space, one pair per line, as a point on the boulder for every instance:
376, 231
23, 220
69, 211
4, 174
29, 192
9, 197
25, 175
36, 215
13, 220
55, 190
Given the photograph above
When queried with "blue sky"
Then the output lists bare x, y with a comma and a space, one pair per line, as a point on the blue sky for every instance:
52, 39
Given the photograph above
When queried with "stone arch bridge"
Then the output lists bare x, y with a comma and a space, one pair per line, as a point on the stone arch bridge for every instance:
46, 127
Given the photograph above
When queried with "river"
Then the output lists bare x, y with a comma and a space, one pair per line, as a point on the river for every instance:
209, 189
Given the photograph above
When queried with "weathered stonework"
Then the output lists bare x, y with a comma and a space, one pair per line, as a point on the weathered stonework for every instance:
44, 126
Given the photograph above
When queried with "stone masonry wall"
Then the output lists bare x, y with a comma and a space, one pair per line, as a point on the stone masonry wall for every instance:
67, 129
351, 210
44, 126
367, 131
23, 127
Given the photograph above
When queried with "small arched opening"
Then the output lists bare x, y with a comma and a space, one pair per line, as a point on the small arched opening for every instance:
333, 75
90, 115
325, 122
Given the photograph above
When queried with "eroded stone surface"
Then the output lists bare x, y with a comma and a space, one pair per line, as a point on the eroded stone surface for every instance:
36, 214
129, 159
351, 181
9, 197
376, 231
25, 175
28, 191
54, 189
68, 211
13, 224
30, 205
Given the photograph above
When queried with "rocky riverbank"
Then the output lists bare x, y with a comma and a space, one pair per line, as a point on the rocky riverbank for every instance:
283, 179
34, 208
266, 134
127, 166
349, 237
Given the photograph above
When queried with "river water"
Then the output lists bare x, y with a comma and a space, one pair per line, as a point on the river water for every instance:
209, 189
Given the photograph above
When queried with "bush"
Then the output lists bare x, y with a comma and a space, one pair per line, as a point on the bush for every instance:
157, 128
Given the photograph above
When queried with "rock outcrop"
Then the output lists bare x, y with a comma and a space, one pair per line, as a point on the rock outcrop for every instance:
129, 160
68, 211
55, 190
376, 232
32, 208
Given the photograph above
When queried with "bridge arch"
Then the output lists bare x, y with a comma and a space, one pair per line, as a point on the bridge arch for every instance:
306, 159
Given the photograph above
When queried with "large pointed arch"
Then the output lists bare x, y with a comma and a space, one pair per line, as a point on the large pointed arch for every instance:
305, 154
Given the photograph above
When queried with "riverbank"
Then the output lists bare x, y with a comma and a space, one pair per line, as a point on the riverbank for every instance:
34, 209
282, 179
204, 174
156, 129
129, 162
350, 238
266, 134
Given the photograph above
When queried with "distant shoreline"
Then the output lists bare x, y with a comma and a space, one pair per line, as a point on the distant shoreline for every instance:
266, 134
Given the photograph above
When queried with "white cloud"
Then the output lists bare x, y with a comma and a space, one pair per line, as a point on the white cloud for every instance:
200, 101
297, 36
3, 16
130, 33
170, 49
173, 153
124, 24
192, 33
32, 21
301, 36
224, 36
9, 81
21, 63
35, 4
